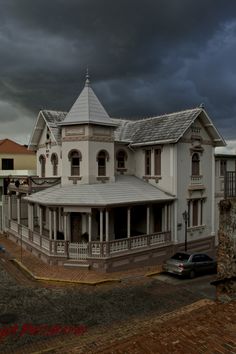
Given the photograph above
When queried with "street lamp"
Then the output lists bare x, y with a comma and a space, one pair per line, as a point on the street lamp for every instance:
185, 217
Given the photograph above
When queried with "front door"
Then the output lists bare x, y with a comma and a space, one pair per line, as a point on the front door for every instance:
76, 227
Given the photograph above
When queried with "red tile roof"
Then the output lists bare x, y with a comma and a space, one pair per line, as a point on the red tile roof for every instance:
8, 146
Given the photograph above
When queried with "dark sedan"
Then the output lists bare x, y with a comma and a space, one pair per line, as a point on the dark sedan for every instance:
190, 265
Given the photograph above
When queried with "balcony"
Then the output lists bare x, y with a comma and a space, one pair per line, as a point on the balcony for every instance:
196, 183
230, 184
28, 185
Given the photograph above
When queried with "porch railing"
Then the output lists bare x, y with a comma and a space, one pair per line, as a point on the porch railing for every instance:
34, 239
83, 250
98, 249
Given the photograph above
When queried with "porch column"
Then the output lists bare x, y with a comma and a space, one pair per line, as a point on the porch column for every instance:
40, 220
128, 222
9, 207
18, 200
59, 220
50, 224
90, 227
101, 225
166, 218
107, 225
148, 220
32, 216
29, 216
169, 219
65, 217
55, 224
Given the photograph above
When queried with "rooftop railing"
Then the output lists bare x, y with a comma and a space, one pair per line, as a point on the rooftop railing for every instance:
31, 184
230, 184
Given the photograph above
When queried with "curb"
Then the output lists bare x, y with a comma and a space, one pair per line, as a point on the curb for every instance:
65, 281
153, 273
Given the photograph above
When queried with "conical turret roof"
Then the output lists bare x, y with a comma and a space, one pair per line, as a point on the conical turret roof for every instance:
87, 109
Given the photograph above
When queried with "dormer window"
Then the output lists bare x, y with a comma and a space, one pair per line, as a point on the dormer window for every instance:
54, 161
42, 161
195, 165
75, 157
102, 157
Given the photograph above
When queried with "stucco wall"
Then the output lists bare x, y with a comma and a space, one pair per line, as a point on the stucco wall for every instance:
184, 191
21, 161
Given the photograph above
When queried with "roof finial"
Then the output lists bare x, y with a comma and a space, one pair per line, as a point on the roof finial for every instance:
87, 82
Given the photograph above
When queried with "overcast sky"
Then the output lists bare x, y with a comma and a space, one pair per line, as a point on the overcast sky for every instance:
145, 57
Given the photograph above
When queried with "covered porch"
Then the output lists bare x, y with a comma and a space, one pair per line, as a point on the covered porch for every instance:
84, 232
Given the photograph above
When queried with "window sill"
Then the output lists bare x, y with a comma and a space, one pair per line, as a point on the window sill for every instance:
156, 178
102, 178
199, 228
75, 178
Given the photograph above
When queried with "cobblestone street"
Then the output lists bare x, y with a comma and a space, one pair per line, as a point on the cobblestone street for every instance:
95, 307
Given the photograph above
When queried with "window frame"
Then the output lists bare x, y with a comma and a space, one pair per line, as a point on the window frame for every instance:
42, 161
148, 162
157, 162
7, 162
102, 156
75, 168
54, 161
121, 160
195, 168
223, 167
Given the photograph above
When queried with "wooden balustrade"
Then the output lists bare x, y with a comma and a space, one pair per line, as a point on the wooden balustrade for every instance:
93, 249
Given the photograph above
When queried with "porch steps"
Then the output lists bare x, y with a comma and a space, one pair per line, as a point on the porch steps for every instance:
77, 264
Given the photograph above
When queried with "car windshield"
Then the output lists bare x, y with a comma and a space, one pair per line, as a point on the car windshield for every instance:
181, 256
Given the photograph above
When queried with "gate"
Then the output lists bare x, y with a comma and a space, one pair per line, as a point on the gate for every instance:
78, 250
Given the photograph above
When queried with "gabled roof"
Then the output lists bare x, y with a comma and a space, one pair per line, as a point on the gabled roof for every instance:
8, 146
87, 109
51, 119
168, 128
126, 190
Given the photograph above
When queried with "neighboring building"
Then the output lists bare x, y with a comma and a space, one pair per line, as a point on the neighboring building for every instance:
15, 160
121, 186
223, 163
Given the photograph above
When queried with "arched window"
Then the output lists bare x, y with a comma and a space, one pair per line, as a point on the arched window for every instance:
75, 157
54, 161
42, 161
121, 157
195, 165
102, 157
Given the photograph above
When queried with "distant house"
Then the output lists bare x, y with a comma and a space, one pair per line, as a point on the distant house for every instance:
15, 161
114, 190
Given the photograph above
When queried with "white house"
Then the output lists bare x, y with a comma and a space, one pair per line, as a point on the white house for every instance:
114, 190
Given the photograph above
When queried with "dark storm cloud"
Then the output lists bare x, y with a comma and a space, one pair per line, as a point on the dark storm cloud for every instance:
145, 56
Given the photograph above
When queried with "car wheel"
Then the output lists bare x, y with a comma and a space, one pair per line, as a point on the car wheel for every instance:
192, 274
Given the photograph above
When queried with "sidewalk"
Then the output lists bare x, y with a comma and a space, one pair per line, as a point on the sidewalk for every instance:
42, 271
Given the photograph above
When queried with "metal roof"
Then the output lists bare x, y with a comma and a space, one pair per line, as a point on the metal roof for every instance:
88, 109
125, 190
